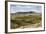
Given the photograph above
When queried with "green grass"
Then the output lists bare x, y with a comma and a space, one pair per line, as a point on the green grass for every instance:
25, 20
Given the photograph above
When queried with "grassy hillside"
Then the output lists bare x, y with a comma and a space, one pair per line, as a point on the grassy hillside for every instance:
18, 21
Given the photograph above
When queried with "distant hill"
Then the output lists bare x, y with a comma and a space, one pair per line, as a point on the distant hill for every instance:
22, 12
25, 12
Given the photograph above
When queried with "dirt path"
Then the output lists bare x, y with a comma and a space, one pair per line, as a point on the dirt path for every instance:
30, 26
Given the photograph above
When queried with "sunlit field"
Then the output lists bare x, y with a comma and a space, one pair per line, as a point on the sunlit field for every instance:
26, 21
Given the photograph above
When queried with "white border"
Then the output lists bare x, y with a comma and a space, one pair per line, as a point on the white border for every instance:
26, 29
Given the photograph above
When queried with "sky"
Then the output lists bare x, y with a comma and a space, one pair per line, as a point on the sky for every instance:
25, 8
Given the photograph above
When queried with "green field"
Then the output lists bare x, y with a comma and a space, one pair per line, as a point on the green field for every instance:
18, 21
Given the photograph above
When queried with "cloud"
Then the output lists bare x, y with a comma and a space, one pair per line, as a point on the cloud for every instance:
23, 8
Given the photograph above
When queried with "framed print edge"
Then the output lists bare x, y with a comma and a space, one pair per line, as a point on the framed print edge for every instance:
6, 16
